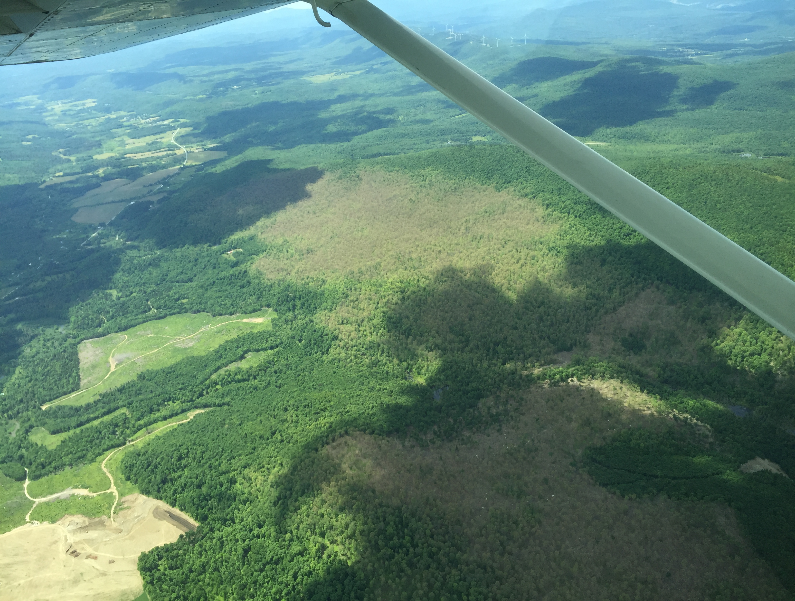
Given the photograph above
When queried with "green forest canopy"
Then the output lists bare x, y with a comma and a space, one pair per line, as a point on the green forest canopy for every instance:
482, 373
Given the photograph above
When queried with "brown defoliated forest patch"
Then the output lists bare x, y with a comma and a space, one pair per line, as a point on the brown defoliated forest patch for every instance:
517, 496
391, 230
651, 327
375, 224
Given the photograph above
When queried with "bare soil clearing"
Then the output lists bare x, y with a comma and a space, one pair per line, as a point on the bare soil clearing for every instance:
86, 559
757, 464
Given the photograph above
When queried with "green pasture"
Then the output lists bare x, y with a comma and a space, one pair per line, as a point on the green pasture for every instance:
14, 505
154, 345
91, 507
40, 436
250, 360
89, 476
92, 367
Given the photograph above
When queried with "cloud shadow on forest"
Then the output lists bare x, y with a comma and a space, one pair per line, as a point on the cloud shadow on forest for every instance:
53, 277
703, 96
631, 92
544, 68
290, 124
215, 205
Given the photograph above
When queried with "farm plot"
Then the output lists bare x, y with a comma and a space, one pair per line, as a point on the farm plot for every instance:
110, 361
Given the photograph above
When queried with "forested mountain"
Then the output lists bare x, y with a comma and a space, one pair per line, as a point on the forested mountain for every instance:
429, 368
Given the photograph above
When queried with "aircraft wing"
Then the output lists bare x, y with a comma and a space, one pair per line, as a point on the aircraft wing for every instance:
34, 31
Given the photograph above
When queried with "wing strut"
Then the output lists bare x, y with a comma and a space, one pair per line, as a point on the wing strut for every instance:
734, 270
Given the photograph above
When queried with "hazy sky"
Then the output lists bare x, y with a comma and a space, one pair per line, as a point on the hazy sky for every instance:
477, 16
281, 22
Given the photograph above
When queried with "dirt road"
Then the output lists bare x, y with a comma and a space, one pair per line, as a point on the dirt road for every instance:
112, 489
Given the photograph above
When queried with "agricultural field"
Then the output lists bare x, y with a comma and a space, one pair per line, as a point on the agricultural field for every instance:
110, 361
305, 322
41, 437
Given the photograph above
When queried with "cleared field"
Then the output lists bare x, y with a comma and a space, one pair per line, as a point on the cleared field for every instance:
97, 195
93, 355
113, 465
41, 437
250, 360
203, 156
119, 190
81, 558
156, 344
90, 507
100, 214
326, 77
91, 490
59, 180
88, 477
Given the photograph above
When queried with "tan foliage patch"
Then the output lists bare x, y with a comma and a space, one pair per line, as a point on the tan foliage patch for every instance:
379, 223
526, 508
665, 329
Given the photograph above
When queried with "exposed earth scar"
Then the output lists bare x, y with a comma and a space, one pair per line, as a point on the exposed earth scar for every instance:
112, 489
180, 145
